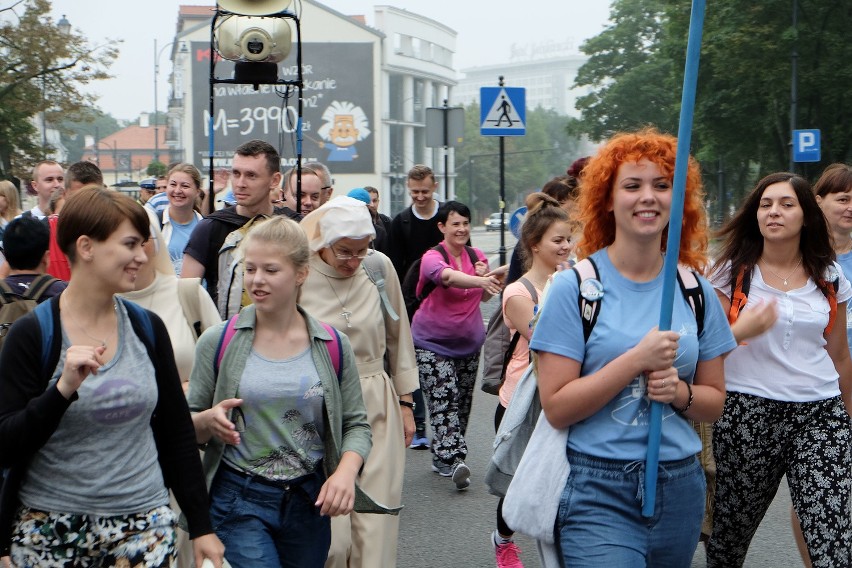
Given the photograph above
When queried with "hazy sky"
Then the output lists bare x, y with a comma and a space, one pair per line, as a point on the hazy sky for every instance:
486, 31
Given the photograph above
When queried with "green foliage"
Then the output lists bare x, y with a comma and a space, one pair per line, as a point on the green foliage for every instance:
530, 161
92, 123
742, 115
156, 168
41, 70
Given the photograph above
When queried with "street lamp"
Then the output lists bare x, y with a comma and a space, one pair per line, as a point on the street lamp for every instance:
64, 25
157, 55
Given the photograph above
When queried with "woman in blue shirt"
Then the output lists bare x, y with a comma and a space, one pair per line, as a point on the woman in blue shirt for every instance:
603, 387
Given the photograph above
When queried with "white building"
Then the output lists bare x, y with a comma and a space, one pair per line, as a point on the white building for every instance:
385, 76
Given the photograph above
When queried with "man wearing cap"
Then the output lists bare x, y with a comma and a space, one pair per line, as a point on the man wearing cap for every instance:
147, 190
159, 201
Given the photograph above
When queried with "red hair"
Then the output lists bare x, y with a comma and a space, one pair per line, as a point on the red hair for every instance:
596, 185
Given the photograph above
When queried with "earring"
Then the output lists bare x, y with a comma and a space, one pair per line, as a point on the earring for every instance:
535, 249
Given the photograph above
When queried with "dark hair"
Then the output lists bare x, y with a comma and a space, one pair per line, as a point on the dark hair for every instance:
254, 148
25, 241
576, 167
448, 207
542, 211
836, 178
743, 243
97, 213
420, 172
83, 172
561, 188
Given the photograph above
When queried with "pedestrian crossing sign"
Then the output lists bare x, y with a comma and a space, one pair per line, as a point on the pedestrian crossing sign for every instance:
502, 111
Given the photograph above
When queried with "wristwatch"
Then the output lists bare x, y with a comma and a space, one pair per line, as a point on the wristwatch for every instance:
410, 405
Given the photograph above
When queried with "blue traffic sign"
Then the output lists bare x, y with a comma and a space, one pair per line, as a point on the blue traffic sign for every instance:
516, 221
502, 111
806, 145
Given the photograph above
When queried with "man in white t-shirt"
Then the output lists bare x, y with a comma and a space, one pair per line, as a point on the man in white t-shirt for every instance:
48, 176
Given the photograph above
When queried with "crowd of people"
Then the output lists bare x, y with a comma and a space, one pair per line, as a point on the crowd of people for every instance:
242, 385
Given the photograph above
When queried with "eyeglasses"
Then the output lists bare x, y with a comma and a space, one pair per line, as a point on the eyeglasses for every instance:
347, 255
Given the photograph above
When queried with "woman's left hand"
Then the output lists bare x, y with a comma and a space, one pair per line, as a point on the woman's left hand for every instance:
337, 496
208, 546
662, 385
408, 426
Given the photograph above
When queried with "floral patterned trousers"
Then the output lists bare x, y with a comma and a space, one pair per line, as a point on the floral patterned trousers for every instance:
63, 540
447, 384
755, 443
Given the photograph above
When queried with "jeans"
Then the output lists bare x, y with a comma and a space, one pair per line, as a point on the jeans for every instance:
600, 520
264, 523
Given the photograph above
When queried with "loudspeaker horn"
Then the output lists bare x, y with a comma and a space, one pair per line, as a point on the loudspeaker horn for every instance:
254, 7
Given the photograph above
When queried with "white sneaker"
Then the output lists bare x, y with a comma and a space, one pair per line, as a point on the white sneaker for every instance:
461, 476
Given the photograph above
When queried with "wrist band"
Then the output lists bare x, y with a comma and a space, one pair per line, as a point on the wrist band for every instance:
688, 402
410, 405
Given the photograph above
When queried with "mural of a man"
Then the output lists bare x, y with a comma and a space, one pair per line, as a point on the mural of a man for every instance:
344, 125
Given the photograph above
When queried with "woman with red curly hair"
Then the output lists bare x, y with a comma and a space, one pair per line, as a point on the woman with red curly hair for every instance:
602, 386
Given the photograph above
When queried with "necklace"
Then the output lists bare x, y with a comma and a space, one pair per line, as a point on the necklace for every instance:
103, 341
345, 314
778, 276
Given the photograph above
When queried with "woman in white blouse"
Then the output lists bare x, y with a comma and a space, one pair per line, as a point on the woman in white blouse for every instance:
788, 383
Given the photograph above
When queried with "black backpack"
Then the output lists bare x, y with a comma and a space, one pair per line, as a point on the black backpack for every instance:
412, 277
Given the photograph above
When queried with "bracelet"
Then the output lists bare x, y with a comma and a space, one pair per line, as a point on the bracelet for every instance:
410, 405
688, 403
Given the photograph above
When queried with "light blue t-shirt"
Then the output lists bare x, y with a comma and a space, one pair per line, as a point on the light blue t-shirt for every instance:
628, 311
177, 241
845, 262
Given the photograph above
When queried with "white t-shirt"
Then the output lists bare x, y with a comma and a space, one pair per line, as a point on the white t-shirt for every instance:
788, 362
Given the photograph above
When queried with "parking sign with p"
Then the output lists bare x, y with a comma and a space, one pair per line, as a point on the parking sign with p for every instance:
806, 145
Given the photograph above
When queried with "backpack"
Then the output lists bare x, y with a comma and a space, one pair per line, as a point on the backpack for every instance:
412, 279
741, 285
374, 266
591, 293
14, 306
499, 346
232, 296
190, 303
335, 349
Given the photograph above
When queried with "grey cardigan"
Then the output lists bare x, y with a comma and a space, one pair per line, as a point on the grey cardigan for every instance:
346, 428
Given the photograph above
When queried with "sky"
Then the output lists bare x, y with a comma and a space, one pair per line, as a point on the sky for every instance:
486, 30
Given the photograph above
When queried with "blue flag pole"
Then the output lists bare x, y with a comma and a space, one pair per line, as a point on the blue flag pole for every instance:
684, 135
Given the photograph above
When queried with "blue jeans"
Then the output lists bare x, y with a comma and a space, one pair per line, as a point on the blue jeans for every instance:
600, 520
265, 524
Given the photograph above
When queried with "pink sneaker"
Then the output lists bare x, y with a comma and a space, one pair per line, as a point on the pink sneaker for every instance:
507, 555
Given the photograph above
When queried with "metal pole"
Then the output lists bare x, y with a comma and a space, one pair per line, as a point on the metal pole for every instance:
684, 135
211, 202
156, 112
502, 194
794, 79
446, 113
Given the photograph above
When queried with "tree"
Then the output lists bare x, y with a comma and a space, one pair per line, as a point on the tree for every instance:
742, 116
42, 72
156, 168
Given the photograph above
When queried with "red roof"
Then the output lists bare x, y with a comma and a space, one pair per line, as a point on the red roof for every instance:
134, 140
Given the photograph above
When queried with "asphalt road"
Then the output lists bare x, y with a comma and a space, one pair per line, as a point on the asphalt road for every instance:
442, 527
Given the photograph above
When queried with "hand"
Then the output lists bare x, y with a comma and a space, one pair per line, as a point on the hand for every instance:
662, 385
500, 272
208, 546
408, 426
80, 362
491, 284
657, 350
337, 495
218, 424
756, 320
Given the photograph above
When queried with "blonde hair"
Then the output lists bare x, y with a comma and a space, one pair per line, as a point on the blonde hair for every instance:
285, 234
8, 190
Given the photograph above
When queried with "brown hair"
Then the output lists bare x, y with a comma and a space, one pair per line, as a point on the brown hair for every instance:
420, 172
542, 212
837, 178
97, 212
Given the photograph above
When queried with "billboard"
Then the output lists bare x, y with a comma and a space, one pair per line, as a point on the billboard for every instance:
338, 125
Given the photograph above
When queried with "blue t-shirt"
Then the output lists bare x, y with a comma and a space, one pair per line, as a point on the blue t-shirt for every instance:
177, 241
845, 262
628, 311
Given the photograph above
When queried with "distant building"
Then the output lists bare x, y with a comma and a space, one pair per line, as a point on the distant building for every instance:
380, 78
126, 154
546, 70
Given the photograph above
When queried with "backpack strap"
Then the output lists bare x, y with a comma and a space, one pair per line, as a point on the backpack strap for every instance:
335, 349
7, 295
428, 286
44, 315
224, 340
739, 294
38, 287
584, 270
693, 293
141, 316
530, 288
190, 303
829, 289
471, 252
374, 266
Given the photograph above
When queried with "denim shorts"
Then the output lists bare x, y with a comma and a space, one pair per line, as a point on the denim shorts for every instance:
600, 518
264, 523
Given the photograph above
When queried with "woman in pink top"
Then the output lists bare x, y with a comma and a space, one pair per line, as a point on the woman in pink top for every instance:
545, 244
